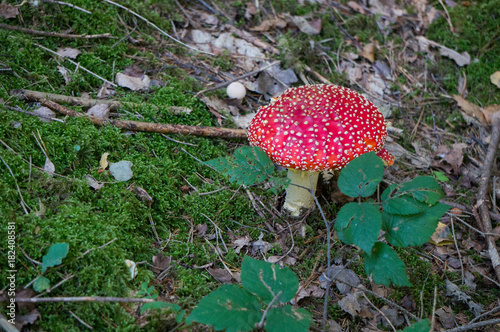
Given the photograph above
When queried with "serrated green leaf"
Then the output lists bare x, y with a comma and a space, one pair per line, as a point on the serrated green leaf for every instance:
287, 319
359, 224
403, 204
422, 326
384, 265
55, 255
423, 188
386, 194
229, 307
412, 230
266, 280
41, 284
361, 176
159, 305
248, 166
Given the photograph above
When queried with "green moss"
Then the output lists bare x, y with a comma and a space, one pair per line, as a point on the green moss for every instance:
475, 31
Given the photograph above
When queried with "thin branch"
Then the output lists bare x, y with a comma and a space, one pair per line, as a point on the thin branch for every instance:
224, 84
101, 299
381, 312
101, 247
77, 65
81, 321
67, 4
54, 34
157, 28
469, 327
482, 195
164, 128
261, 323
71, 276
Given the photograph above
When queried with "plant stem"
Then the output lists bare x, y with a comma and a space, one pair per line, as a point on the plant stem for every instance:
261, 323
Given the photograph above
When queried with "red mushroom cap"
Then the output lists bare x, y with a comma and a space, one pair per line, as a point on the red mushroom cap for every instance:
319, 127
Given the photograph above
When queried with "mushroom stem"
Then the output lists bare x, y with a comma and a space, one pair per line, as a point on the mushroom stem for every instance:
298, 198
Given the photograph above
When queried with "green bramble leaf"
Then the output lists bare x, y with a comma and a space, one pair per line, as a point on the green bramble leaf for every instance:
361, 176
384, 265
404, 204
424, 189
422, 326
159, 305
229, 307
266, 280
41, 284
55, 255
359, 224
248, 166
415, 229
287, 319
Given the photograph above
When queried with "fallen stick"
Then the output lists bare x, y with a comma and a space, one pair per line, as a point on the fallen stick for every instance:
163, 128
54, 34
82, 299
31, 95
482, 200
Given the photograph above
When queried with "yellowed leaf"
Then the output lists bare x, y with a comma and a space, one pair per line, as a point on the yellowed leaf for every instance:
369, 52
495, 78
442, 235
470, 109
104, 161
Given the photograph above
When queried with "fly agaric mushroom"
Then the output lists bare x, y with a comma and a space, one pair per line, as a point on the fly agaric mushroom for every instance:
317, 128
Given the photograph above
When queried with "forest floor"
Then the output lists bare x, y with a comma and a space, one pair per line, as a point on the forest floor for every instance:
98, 196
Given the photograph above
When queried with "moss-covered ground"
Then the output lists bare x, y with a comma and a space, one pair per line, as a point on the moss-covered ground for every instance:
63, 208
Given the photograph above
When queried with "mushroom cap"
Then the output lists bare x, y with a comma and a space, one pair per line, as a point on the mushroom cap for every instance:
319, 127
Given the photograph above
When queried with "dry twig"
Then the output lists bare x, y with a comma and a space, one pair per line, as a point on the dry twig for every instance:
101, 299
54, 34
164, 128
482, 195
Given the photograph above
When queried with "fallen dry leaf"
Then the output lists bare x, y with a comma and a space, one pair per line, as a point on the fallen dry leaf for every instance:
311, 28
442, 235
470, 109
104, 161
350, 304
221, 275
68, 52
65, 74
49, 166
241, 242
495, 78
7, 10
93, 182
99, 111
141, 193
454, 157
45, 112
369, 52
355, 6
461, 59
133, 83
267, 25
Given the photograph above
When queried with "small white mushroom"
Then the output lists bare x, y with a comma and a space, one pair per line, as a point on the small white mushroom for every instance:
236, 90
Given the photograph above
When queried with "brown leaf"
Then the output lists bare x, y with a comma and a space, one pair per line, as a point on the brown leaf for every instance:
30, 318
369, 52
96, 185
470, 109
222, 275
161, 262
7, 10
442, 235
310, 28
460, 59
201, 229
100, 111
355, 6
141, 193
454, 156
267, 25
241, 242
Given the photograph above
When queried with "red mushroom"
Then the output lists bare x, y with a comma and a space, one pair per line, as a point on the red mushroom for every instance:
317, 128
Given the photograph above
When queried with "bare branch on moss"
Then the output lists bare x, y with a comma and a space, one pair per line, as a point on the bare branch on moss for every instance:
54, 34
163, 128
101, 299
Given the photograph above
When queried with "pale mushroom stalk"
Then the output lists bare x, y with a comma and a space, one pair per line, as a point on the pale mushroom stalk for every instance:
297, 197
